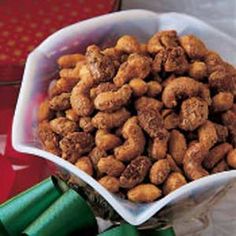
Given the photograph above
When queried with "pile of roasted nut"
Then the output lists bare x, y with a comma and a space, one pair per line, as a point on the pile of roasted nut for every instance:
143, 118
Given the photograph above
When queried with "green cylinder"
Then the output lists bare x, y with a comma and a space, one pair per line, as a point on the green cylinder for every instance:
17, 213
164, 231
68, 215
122, 230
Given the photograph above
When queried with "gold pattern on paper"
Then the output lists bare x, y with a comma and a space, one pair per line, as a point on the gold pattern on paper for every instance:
11, 43
74, 13
25, 38
87, 9
67, 4
5, 33
60, 17
46, 21
17, 52
55, 8
22, 61
41, 12
51, 30
14, 20
100, 6
30, 47
33, 25
39, 34
27, 16
19, 29
3, 56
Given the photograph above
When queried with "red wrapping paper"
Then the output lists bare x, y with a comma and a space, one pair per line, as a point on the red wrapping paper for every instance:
24, 24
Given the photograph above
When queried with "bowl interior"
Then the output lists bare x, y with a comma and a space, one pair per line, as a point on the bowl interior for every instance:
41, 69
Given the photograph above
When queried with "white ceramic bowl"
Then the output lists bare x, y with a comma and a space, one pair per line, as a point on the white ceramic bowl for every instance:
104, 30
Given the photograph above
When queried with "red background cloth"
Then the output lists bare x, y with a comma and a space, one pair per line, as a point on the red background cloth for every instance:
23, 25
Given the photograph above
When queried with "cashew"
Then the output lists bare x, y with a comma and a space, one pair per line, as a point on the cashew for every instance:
85, 124
60, 102
44, 111
111, 101
229, 118
135, 172
110, 183
80, 101
71, 115
135, 141
221, 166
68, 61
128, 44
194, 113
159, 60
198, 70
158, 149
110, 166
232, 131
222, 80
193, 46
231, 158
222, 101
183, 87
174, 181
207, 135
138, 86
101, 88
173, 166
69, 78
177, 146
162, 39
106, 141
154, 88
96, 154
171, 121
84, 164
213, 61
75, 144
192, 161
192, 142
159, 171
176, 61
144, 193
170, 60
149, 118
48, 139
100, 66
216, 154
144, 103
104, 120
63, 126
222, 133
137, 66
72, 75
115, 55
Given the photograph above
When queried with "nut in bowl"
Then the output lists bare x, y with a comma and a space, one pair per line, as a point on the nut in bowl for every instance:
142, 112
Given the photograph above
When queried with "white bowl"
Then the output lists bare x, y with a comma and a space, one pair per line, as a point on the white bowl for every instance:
103, 30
